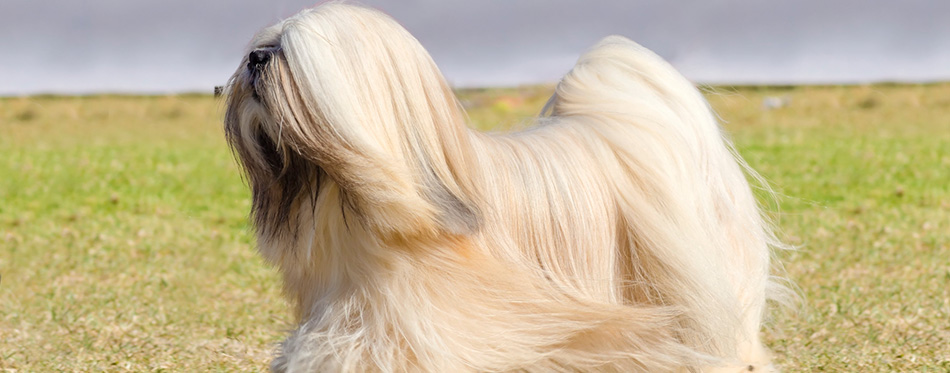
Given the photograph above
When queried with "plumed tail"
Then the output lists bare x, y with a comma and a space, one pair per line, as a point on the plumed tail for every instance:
694, 230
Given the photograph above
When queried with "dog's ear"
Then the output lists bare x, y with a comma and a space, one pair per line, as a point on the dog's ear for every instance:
456, 210
402, 194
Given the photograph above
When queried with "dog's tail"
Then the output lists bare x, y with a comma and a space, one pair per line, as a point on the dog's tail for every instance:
695, 233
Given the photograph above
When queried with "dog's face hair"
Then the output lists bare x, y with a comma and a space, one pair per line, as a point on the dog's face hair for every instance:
277, 174
282, 125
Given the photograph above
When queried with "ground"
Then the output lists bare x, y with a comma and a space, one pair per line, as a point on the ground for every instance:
124, 242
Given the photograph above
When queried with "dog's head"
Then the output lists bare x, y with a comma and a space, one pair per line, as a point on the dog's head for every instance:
343, 95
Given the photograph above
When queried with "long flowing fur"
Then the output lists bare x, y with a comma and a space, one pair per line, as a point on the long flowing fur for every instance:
618, 234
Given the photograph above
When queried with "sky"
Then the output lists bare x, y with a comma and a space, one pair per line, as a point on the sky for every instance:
135, 46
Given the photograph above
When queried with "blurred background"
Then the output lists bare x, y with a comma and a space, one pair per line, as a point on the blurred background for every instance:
95, 46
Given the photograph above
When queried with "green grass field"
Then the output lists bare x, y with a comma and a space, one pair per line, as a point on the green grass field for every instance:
124, 243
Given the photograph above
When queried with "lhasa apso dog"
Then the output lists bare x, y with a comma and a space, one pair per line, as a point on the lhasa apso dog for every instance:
618, 234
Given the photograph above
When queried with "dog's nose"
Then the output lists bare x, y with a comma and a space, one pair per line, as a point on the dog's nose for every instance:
257, 59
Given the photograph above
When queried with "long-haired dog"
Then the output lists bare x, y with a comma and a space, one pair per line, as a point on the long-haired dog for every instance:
618, 234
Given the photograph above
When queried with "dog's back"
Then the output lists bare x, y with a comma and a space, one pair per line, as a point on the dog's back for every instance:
628, 193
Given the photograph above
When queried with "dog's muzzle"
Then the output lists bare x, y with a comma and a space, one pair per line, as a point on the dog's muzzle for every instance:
257, 62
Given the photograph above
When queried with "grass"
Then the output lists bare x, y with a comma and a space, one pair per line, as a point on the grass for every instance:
124, 243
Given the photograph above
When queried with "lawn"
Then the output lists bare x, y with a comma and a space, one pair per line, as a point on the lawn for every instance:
124, 242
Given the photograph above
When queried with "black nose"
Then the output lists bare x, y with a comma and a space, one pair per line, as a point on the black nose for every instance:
257, 59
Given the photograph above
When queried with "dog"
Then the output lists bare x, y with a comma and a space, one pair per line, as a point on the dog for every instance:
619, 233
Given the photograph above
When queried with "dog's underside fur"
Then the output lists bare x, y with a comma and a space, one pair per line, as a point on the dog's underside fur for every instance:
619, 233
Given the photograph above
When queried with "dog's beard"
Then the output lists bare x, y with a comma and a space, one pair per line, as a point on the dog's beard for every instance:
278, 175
